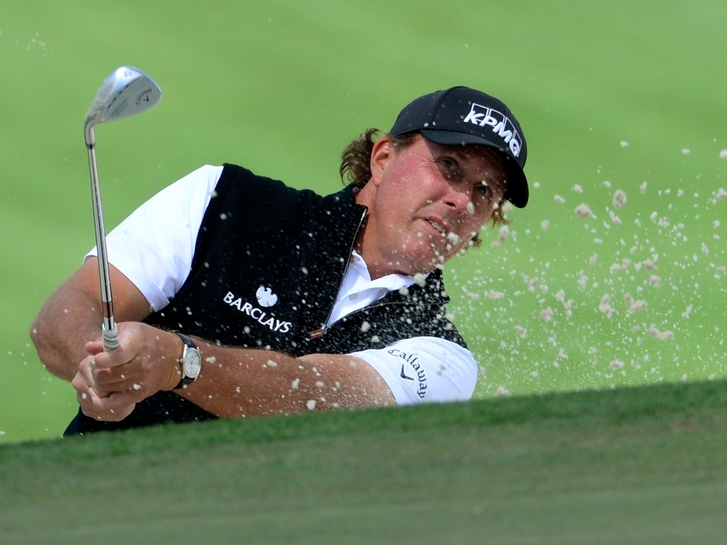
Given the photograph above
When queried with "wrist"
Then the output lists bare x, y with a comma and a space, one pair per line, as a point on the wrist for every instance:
175, 347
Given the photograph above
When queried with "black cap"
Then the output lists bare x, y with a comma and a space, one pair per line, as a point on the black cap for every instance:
461, 116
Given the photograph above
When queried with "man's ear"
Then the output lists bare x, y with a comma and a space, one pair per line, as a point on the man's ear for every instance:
382, 152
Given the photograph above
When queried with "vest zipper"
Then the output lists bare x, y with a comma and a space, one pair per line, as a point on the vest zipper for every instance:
318, 333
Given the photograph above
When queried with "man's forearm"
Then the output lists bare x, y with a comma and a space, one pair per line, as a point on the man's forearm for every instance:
234, 382
248, 382
68, 320
72, 316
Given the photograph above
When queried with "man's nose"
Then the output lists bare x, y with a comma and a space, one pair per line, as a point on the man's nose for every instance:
457, 198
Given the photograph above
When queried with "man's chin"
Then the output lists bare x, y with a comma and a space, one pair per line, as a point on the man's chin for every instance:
422, 258
427, 265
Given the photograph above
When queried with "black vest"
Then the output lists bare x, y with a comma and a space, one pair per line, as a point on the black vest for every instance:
267, 267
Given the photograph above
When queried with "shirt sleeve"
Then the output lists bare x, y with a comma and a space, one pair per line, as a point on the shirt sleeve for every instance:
424, 369
154, 246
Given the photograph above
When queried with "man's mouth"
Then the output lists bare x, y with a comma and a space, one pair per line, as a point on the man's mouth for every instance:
452, 239
438, 226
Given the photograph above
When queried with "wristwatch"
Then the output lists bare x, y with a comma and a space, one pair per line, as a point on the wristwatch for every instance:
190, 362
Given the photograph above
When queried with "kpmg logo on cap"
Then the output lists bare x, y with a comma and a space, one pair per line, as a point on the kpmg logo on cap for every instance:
500, 123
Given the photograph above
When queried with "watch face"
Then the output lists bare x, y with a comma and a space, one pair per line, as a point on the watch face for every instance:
192, 362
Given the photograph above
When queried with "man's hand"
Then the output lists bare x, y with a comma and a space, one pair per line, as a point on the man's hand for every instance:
109, 384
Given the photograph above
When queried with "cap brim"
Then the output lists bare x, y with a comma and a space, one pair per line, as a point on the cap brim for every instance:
517, 191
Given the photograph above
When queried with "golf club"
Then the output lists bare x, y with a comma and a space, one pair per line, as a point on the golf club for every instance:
126, 92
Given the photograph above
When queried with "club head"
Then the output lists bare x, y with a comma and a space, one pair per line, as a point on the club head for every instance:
126, 92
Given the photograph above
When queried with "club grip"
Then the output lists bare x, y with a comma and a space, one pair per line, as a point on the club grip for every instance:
110, 338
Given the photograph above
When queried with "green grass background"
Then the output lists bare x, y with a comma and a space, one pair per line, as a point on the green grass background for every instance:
610, 94
633, 466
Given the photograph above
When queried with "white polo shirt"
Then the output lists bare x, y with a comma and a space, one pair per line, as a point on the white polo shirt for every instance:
154, 247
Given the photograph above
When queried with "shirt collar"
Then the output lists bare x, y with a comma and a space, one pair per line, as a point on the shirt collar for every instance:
390, 282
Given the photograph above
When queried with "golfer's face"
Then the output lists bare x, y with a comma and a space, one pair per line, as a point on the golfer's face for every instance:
431, 200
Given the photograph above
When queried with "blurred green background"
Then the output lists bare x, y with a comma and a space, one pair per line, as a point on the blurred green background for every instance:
613, 96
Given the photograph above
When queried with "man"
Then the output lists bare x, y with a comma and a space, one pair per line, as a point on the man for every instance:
238, 296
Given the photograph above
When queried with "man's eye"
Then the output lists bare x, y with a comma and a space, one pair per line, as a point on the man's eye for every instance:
449, 168
485, 190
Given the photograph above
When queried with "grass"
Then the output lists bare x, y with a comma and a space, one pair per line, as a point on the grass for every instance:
612, 95
634, 465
